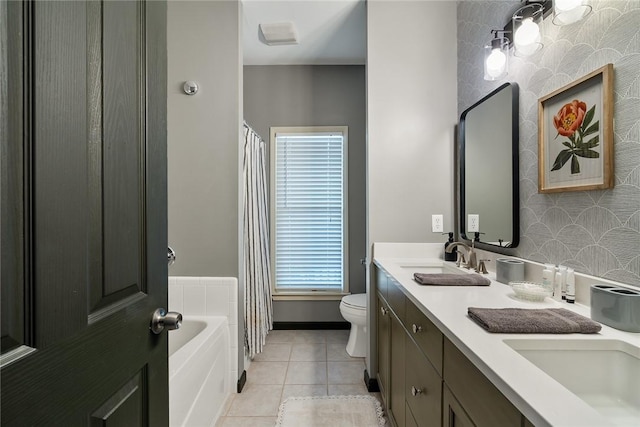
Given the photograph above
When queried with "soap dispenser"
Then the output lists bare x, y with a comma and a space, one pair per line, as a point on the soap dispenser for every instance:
449, 256
476, 236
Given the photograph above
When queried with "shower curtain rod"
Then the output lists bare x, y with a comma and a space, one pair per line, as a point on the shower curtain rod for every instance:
244, 122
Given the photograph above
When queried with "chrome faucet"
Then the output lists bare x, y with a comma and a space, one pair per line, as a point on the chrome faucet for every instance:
470, 254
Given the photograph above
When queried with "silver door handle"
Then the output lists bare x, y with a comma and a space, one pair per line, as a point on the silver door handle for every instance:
171, 255
162, 320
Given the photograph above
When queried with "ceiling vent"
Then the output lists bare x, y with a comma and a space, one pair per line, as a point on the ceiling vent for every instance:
279, 33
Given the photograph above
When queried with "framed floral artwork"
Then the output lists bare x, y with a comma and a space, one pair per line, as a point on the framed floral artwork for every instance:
575, 135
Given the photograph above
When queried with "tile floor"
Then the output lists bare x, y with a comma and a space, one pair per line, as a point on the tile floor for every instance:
294, 363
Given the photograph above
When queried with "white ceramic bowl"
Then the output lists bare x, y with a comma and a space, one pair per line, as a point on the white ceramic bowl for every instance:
530, 291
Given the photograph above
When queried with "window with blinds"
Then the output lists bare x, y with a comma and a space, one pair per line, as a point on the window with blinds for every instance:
308, 206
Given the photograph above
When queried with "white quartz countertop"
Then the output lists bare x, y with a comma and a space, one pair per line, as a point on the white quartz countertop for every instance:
539, 397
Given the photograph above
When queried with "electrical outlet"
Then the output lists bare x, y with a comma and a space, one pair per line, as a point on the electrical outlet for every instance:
473, 223
436, 224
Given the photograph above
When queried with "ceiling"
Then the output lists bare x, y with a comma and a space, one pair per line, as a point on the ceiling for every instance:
330, 32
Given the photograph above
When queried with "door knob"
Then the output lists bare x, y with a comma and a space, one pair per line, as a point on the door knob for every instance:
162, 320
171, 255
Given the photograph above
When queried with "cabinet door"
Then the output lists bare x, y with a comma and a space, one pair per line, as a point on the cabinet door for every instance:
384, 337
423, 387
410, 421
397, 371
452, 412
482, 401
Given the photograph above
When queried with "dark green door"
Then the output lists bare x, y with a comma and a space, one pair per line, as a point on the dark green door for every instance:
84, 222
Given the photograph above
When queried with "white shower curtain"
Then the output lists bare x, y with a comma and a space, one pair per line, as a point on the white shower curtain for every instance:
257, 267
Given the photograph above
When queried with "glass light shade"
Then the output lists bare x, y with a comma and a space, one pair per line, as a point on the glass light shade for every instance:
496, 59
567, 12
527, 29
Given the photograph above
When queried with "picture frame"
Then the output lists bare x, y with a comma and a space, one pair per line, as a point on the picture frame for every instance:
575, 135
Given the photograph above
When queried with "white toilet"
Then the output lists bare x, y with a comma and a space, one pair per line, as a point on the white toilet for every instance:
354, 309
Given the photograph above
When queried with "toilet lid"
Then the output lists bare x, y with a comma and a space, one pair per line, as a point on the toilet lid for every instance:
357, 301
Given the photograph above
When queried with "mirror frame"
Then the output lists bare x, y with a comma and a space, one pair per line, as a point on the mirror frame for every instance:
515, 170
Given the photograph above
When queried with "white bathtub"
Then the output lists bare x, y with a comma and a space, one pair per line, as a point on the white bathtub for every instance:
199, 382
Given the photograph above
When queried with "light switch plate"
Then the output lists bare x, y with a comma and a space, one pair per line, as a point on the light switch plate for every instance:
473, 223
436, 224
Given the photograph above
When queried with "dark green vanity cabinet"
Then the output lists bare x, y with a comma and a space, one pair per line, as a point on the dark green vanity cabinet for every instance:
425, 381
410, 384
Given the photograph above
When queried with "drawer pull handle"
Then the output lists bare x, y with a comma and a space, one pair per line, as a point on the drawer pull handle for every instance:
383, 311
416, 391
416, 328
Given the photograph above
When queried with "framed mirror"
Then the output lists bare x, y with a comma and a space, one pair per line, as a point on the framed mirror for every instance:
489, 173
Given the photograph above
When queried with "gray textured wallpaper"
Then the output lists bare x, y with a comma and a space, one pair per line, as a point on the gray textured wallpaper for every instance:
596, 232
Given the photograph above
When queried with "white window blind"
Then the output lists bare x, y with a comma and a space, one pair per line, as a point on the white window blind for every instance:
308, 200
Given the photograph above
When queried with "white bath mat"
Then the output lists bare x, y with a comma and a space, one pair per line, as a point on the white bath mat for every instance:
334, 411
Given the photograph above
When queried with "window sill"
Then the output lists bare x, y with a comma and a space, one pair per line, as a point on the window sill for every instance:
308, 296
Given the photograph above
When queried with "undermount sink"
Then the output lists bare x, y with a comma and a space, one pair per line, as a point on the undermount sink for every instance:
431, 268
603, 373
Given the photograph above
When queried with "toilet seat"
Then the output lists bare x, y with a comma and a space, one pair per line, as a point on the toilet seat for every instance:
355, 301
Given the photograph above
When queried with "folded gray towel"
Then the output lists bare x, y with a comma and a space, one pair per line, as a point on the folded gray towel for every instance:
533, 321
451, 279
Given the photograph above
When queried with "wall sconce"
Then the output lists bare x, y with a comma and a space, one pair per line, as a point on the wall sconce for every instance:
524, 32
496, 57
527, 29
567, 12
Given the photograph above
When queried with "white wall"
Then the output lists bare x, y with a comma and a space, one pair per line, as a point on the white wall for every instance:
203, 140
203, 136
411, 116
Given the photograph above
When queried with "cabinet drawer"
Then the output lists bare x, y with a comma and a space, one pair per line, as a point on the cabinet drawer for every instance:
396, 299
423, 388
481, 400
426, 335
381, 282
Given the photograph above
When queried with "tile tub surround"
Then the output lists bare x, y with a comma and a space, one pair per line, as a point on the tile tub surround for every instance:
209, 296
295, 363
519, 380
